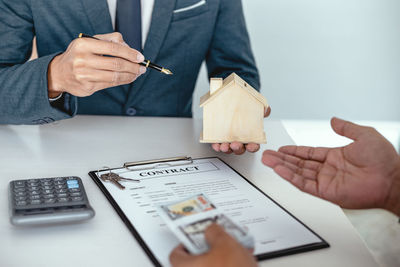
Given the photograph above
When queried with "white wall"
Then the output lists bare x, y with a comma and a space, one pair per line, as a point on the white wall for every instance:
319, 58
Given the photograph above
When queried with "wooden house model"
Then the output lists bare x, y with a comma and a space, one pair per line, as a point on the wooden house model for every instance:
232, 111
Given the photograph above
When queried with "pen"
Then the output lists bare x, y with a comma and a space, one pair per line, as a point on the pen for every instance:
146, 63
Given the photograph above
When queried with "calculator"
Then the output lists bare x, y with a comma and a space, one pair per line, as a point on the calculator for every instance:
48, 201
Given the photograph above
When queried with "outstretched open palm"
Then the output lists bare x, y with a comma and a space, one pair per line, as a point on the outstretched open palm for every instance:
359, 175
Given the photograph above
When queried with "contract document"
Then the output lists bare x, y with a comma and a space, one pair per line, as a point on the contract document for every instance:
276, 232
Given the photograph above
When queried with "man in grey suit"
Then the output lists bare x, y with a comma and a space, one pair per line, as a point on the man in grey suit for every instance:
71, 76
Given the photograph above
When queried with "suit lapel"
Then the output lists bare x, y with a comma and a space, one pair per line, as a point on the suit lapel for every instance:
98, 15
160, 22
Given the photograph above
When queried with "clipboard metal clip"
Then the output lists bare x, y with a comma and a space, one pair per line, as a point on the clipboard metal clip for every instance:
158, 163
165, 161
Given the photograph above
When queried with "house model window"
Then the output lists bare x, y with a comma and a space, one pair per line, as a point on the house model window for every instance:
232, 111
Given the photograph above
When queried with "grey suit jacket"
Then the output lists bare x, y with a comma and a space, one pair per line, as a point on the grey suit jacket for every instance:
181, 41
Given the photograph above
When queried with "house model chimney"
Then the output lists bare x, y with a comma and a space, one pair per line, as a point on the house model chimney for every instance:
215, 84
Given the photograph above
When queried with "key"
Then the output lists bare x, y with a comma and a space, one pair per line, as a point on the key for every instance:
115, 179
127, 179
120, 178
111, 177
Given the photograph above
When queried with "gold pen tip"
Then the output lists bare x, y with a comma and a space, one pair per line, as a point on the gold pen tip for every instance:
166, 71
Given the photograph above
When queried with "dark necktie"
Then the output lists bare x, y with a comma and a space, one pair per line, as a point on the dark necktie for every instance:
129, 22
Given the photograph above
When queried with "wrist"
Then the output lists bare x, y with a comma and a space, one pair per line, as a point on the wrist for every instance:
393, 199
53, 84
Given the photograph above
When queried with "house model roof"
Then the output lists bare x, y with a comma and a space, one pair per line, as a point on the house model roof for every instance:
231, 80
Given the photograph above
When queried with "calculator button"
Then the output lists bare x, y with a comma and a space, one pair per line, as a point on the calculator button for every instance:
63, 199
59, 182
47, 187
62, 195
47, 191
49, 196
21, 203
47, 183
19, 184
59, 186
35, 197
59, 191
34, 192
36, 201
49, 200
59, 179
72, 190
33, 180
34, 188
20, 198
20, 194
21, 189
75, 194
76, 198
71, 186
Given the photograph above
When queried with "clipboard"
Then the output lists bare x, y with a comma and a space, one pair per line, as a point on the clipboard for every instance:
181, 161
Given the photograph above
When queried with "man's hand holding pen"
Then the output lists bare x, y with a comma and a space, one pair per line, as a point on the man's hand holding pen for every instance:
94, 63
82, 70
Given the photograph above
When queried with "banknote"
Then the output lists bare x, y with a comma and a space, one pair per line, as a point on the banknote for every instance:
189, 206
194, 232
190, 217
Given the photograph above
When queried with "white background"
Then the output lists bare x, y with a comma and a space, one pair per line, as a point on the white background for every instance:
319, 58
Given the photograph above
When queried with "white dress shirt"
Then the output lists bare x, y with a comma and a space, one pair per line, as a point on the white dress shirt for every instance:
147, 10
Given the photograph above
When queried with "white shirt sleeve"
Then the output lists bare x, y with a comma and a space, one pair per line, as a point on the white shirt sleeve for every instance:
147, 11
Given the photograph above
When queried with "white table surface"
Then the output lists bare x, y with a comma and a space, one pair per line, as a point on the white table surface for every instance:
85, 143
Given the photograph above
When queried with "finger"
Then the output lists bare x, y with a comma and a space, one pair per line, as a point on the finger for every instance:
216, 234
252, 147
267, 112
101, 47
237, 148
91, 87
115, 37
274, 160
216, 147
347, 129
305, 152
305, 185
179, 256
114, 64
225, 148
113, 78
299, 162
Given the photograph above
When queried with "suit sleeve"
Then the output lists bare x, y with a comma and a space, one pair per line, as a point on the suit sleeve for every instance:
23, 83
230, 49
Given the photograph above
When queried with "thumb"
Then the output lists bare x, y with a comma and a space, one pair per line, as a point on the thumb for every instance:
347, 129
215, 233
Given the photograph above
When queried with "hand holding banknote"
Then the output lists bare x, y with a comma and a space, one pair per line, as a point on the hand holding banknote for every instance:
189, 218
224, 251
